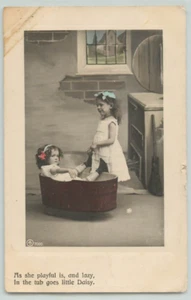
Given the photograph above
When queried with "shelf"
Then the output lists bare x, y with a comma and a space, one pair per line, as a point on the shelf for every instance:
136, 148
148, 101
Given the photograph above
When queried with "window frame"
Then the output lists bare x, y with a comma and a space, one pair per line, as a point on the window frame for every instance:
84, 69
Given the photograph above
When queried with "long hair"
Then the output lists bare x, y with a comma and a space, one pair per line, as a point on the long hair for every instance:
43, 154
116, 108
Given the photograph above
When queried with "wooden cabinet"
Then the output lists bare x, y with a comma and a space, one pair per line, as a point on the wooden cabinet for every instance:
140, 144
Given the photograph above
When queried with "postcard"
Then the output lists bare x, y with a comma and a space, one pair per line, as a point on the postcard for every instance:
95, 149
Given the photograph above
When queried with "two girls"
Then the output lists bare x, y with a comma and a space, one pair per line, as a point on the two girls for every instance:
105, 153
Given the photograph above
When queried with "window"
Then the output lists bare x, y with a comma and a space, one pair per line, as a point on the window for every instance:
105, 47
104, 52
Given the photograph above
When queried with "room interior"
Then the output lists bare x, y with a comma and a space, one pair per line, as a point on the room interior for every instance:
58, 89
51, 70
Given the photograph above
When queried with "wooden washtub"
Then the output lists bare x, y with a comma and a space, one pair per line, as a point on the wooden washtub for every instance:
82, 196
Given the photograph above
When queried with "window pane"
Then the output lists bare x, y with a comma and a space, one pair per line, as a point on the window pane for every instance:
91, 37
91, 55
111, 55
101, 54
121, 37
101, 36
106, 47
111, 37
120, 54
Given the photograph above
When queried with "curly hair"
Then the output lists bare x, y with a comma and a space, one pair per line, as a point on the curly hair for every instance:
115, 110
43, 154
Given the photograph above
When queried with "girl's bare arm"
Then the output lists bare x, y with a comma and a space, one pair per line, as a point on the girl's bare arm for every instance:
62, 170
73, 173
58, 170
55, 170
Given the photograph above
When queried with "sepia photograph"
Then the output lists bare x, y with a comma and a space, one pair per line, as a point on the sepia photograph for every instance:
95, 119
94, 138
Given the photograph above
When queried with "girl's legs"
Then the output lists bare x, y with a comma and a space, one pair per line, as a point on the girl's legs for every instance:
85, 165
93, 176
102, 168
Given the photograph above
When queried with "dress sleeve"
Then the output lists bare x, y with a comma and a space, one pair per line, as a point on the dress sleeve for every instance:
45, 171
113, 120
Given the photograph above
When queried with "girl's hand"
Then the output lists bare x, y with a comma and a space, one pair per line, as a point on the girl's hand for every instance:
73, 173
93, 146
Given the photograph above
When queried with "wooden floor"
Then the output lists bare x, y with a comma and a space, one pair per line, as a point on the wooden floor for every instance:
137, 221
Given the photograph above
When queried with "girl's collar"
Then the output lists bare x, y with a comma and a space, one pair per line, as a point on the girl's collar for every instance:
109, 117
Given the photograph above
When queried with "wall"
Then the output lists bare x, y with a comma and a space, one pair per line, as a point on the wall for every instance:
46, 65
49, 62
51, 116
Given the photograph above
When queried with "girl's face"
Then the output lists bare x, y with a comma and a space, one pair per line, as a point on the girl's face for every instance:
103, 108
54, 157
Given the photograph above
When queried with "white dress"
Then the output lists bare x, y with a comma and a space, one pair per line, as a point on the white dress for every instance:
112, 154
45, 171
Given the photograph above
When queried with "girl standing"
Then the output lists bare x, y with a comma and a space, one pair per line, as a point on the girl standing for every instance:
105, 144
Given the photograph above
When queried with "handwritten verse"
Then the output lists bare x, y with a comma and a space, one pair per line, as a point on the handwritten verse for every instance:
54, 279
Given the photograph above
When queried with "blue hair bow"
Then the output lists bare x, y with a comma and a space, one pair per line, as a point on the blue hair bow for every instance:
105, 94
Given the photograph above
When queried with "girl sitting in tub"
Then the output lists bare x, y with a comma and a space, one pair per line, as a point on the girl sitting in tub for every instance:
105, 144
48, 160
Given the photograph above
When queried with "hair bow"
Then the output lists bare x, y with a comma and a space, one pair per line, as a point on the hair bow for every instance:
105, 94
42, 156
